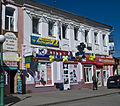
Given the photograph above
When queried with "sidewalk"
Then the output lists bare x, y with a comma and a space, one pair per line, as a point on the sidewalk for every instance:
55, 97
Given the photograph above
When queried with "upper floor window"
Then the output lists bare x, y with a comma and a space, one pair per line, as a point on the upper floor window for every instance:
86, 36
50, 28
76, 33
96, 38
35, 25
103, 38
9, 19
64, 31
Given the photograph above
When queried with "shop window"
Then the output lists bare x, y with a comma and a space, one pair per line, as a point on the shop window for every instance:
86, 36
9, 19
51, 28
43, 75
76, 33
35, 25
64, 31
88, 74
73, 73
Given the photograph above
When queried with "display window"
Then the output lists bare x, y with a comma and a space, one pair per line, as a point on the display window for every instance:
43, 75
88, 74
73, 73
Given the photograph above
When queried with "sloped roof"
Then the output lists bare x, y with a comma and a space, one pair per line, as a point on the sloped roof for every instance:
63, 13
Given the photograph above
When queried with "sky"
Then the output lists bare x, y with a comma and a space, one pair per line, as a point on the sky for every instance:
104, 11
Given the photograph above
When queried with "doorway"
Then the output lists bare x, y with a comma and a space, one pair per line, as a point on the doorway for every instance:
105, 77
66, 77
98, 75
12, 80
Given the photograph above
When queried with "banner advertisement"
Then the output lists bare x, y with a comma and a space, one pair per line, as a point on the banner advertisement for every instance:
19, 82
73, 73
44, 41
43, 75
5, 78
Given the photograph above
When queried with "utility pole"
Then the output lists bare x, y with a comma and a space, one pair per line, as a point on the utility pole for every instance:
2, 39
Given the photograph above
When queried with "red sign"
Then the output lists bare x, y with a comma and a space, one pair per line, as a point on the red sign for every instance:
97, 61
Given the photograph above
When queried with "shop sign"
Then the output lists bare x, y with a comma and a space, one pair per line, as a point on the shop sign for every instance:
10, 63
28, 52
27, 59
10, 56
109, 61
99, 61
44, 41
86, 60
58, 54
11, 42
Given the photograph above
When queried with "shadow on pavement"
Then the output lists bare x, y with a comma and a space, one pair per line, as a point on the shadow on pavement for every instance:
11, 100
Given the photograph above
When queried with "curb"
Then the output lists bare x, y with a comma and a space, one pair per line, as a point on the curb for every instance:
65, 101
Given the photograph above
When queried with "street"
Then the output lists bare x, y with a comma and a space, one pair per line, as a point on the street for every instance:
109, 100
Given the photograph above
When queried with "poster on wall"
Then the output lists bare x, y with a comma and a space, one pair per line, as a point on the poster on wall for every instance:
19, 82
43, 75
73, 73
5, 78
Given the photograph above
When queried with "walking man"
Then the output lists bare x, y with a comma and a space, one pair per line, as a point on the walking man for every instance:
95, 80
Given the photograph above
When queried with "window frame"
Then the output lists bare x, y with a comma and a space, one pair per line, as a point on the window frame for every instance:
8, 18
88, 75
95, 38
86, 36
64, 31
76, 29
37, 26
51, 28
103, 38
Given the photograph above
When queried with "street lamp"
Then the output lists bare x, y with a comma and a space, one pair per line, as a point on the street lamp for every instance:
2, 39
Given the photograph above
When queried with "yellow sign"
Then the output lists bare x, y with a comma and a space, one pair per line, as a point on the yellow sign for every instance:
44, 41
27, 65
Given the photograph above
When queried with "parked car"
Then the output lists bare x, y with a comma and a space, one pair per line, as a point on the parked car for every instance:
113, 82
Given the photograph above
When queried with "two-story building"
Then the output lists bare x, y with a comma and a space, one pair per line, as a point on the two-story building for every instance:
46, 38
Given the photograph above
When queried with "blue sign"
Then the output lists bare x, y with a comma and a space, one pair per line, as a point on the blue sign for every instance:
43, 54
79, 53
19, 82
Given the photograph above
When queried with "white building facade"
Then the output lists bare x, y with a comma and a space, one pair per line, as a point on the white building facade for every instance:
50, 40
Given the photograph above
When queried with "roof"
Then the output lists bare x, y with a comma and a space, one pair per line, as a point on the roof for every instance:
63, 13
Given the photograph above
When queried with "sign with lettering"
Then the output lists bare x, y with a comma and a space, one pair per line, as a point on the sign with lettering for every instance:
109, 61
11, 42
10, 56
44, 41
58, 54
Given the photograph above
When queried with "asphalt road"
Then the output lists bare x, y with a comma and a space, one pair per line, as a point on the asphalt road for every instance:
109, 100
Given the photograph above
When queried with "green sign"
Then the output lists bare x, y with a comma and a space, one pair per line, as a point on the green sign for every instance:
27, 59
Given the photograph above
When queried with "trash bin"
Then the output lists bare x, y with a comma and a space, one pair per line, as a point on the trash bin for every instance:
61, 86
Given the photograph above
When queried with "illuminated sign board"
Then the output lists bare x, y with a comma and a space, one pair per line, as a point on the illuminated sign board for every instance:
44, 41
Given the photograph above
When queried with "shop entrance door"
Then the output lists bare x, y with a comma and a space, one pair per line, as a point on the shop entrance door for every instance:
98, 75
13, 81
66, 77
105, 77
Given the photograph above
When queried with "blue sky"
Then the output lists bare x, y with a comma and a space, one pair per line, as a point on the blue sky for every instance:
104, 11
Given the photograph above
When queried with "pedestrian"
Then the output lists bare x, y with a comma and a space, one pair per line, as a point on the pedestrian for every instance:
95, 80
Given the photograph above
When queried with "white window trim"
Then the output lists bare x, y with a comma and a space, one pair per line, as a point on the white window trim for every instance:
92, 74
15, 17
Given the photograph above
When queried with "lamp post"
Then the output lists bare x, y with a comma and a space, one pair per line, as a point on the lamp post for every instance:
2, 39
